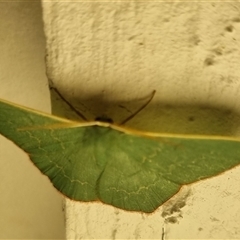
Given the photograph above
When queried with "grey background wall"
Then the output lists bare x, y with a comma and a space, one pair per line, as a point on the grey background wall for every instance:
30, 208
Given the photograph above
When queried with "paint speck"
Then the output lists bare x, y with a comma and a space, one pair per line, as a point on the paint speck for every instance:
131, 38
114, 232
195, 40
217, 51
229, 28
209, 61
236, 19
191, 119
171, 220
213, 219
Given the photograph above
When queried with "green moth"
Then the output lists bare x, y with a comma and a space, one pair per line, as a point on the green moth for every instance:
100, 161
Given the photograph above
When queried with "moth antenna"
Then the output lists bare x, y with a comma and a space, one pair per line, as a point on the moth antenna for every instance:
140, 109
69, 104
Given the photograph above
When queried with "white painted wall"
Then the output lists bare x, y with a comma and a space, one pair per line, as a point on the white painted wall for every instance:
103, 54
30, 208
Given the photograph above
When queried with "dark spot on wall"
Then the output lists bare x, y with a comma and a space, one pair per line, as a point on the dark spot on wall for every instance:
236, 19
166, 20
114, 232
229, 28
131, 38
195, 40
171, 220
209, 61
217, 51
191, 119
213, 219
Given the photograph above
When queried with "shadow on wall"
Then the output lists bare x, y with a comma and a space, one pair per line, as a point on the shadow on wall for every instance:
156, 117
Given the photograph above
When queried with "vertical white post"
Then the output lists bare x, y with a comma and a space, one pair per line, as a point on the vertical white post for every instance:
105, 54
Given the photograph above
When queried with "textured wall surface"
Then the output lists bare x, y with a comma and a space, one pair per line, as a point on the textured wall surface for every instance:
30, 208
105, 54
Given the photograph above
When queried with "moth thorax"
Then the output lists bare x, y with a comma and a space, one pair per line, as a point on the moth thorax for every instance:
104, 119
